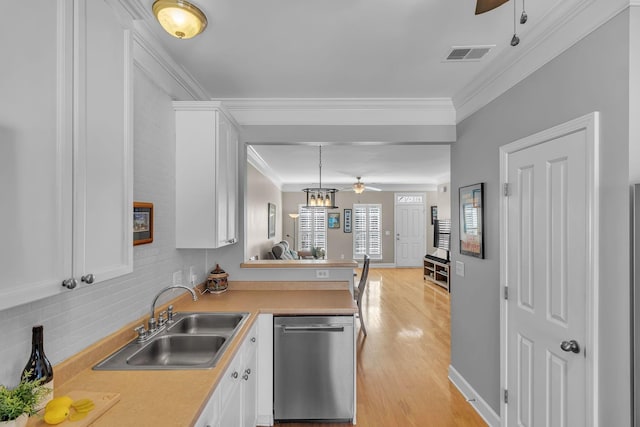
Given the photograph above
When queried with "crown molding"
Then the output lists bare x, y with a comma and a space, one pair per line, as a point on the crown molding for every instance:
341, 111
255, 160
634, 3
561, 28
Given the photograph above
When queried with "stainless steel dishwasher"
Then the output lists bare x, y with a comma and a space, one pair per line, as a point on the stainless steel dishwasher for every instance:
313, 368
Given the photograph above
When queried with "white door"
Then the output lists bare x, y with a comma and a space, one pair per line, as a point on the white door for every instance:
410, 229
549, 229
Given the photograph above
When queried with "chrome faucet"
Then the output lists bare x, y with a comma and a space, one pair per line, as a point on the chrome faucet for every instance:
152, 320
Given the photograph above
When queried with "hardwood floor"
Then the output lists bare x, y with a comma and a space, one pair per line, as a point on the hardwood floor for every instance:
403, 362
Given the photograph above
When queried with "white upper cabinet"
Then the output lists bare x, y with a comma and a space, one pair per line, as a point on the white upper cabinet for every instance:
206, 175
65, 147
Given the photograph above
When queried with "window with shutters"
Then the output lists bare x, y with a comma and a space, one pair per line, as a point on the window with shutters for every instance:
367, 230
312, 229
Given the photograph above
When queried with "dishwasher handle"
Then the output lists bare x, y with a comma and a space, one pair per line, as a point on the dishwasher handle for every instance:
312, 328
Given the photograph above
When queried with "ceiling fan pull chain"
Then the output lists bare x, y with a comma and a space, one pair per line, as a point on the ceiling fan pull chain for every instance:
515, 39
523, 16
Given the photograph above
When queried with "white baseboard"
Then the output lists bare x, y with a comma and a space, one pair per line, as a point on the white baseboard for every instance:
264, 420
478, 403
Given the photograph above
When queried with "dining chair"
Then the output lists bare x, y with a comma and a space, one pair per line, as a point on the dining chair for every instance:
359, 291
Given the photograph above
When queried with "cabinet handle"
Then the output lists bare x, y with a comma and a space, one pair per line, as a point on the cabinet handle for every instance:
234, 375
88, 279
70, 283
245, 377
253, 339
247, 371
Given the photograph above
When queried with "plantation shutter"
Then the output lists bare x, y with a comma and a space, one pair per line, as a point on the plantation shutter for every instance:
312, 228
367, 238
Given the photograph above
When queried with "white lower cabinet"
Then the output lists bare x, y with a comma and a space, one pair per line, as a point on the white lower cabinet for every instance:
234, 402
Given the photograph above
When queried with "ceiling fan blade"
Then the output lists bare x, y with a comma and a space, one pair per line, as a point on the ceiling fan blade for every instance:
372, 188
483, 6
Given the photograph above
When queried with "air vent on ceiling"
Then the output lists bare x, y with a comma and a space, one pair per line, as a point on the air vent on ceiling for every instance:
467, 53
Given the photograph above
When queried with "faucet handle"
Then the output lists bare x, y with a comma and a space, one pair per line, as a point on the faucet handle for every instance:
170, 314
141, 331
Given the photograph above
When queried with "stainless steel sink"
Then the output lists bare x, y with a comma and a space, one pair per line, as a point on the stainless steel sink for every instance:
191, 341
206, 323
179, 350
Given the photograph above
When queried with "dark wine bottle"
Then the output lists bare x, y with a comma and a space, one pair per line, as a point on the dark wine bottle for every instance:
38, 366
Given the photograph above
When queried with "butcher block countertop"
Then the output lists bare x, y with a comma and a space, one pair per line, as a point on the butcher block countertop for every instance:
176, 398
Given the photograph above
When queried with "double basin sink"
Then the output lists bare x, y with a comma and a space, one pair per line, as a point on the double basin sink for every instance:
191, 341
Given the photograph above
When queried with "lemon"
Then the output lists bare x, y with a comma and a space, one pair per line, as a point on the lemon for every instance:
56, 414
83, 405
65, 401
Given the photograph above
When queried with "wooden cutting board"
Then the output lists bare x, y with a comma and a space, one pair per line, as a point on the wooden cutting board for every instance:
103, 402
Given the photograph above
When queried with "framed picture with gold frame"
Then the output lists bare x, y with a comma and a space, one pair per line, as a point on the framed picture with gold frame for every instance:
142, 223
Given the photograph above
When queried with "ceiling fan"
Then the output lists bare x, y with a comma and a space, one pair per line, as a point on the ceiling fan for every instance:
359, 187
483, 6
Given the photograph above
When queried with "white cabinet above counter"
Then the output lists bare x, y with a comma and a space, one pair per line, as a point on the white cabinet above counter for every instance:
206, 175
66, 148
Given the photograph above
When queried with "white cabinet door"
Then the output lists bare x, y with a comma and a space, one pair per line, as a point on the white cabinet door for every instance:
250, 375
206, 176
65, 147
35, 150
103, 154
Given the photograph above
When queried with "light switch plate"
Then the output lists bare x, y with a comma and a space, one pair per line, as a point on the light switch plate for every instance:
460, 268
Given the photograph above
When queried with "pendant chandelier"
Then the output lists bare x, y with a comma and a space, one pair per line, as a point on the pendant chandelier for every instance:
320, 197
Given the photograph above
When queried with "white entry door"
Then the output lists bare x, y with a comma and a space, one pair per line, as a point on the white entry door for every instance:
549, 225
410, 229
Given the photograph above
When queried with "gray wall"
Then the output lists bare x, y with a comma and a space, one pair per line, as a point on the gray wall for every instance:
593, 75
261, 191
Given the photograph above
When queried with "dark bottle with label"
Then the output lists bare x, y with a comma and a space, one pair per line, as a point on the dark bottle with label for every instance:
38, 366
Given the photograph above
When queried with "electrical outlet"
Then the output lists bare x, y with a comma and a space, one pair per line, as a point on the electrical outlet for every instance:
177, 277
322, 274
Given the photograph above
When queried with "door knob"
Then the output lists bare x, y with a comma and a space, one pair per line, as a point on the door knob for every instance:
571, 346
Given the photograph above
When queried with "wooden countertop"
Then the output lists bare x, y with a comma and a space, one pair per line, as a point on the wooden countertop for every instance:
176, 398
300, 263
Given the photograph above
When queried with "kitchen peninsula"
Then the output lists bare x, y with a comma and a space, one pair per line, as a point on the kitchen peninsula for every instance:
183, 397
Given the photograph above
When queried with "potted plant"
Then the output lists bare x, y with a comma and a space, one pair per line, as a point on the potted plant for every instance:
17, 404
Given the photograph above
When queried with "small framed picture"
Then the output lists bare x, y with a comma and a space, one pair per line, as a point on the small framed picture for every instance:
347, 220
142, 223
434, 214
272, 220
333, 220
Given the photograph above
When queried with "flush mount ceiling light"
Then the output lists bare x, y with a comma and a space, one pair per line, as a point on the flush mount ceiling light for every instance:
321, 197
179, 18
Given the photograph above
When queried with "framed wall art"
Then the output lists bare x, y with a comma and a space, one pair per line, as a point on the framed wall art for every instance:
471, 201
434, 214
142, 223
333, 220
272, 220
347, 221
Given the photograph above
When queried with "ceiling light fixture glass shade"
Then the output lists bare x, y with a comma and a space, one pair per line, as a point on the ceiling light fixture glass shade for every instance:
179, 18
320, 197
358, 187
